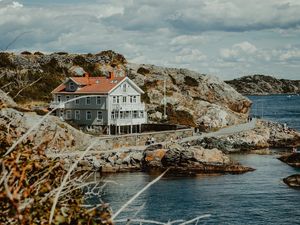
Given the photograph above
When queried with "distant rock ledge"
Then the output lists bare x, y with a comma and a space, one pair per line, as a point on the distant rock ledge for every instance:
264, 85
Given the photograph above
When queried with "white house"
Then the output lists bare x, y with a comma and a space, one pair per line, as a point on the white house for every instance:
111, 104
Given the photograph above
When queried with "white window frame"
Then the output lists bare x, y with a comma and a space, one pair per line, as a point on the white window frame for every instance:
77, 114
98, 100
68, 114
67, 97
124, 87
88, 113
101, 117
118, 99
141, 114
124, 99
134, 99
114, 99
88, 100
59, 98
135, 114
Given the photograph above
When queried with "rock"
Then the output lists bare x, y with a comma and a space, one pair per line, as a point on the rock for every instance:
264, 85
293, 180
191, 160
192, 98
152, 159
266, 134
52, 133
136, 156
292, 159
6, 101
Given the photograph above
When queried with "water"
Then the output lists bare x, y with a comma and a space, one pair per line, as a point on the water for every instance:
258, 197
280, 108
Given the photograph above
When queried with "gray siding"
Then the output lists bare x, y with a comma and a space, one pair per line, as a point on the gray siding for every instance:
83, 117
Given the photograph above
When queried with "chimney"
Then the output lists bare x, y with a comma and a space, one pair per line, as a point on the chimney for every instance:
111, 75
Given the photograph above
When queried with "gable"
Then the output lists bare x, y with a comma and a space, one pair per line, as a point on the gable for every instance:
128, 87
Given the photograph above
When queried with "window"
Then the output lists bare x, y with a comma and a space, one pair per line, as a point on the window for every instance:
127, 114
113, 114
142, 114
117, 114
71, 86
124, 99
58, 98
98, 100
130, 99
122, 115
114, 99
99, 115
77, 100
135, 114
88, 115
68, 114
88, 100
118, 99
67, 97
124, 87
134, 99
77, 115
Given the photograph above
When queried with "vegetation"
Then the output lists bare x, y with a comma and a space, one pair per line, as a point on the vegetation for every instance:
143, 71
29, 181
190, 81
5, 61
26, 53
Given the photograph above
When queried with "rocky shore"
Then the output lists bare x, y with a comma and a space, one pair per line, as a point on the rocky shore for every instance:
264, 85
157, 158
265, 135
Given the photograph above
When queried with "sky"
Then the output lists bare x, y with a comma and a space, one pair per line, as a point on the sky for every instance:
227, 38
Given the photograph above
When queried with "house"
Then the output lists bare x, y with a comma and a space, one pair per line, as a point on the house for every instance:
109, 104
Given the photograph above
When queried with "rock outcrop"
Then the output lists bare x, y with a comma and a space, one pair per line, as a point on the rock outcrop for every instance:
293, 180
266, 134
292, 159
189, 160
192, 98
264, 85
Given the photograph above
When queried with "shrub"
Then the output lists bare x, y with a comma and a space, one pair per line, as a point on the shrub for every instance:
190, 81
26, 53
143, 71
38, 53
5, 60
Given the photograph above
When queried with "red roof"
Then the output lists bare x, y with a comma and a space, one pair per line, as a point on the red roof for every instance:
95, 85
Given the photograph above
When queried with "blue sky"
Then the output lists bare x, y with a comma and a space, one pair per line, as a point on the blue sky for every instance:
227, 38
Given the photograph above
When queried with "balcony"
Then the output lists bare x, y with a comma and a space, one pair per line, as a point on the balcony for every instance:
128, 121
58, 105
128, 106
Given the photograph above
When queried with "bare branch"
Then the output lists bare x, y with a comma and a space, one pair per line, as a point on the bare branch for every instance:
65, 180
29, 85
138, 194
14, 40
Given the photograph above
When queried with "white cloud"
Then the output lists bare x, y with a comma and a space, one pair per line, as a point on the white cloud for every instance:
206, 35
238, 51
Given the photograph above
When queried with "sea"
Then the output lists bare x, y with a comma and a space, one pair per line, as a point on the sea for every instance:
258, 197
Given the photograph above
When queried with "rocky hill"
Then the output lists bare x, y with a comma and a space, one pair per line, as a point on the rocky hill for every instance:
264, 85
192, 98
